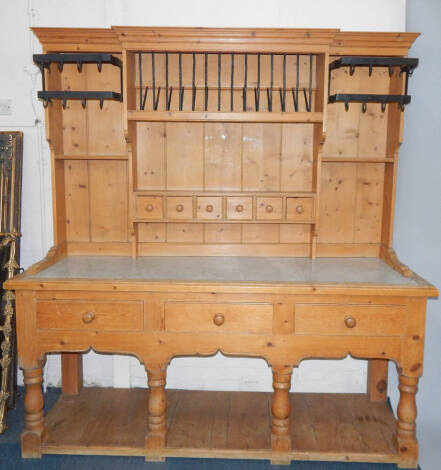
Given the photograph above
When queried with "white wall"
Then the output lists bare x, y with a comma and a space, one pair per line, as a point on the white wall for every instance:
19, 80
418, 210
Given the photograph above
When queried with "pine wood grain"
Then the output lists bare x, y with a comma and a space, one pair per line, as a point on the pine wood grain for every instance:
261, 157
105, 126
71, 373
185, 156
77, 200
222, 150
108, 201
151, 167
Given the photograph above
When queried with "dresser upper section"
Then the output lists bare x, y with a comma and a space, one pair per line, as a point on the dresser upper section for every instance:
239, 142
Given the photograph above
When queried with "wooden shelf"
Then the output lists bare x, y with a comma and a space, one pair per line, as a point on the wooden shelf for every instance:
357, 160
405, 64
222, 221
339, 427
91, 157
368, 98
194, 116
44, 60
101, 96
148, 192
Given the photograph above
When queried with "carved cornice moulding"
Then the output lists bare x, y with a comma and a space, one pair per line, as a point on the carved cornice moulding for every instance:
117, 38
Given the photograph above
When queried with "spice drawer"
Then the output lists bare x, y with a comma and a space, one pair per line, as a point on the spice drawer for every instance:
193, 317
269, 208
299, 208
209, 208
366, 320
149, 207
85, 315
239, 208
179, 208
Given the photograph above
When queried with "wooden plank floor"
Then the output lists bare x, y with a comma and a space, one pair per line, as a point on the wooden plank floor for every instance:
222, 424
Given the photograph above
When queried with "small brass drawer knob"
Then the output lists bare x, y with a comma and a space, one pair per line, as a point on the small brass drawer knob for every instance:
350, 322
149, 208
219, 319
179, 208
209, 208
239, 208
269, 208
88, 317
299, 209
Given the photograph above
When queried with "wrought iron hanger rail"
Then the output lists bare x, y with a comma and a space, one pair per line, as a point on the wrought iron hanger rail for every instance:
364, 99
406, 65
84, 96
43, 61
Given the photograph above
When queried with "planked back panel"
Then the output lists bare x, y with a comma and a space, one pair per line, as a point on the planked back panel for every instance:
353, 133
92, 131
256, 157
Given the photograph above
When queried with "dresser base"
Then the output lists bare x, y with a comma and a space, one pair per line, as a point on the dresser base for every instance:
338, 427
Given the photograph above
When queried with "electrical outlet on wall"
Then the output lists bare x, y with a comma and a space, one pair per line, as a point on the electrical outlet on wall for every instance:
5, 107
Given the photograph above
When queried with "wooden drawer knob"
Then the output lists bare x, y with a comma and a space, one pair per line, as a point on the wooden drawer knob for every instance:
179, 208
88, 317
149, 208
209, 208
219, 319
350, 322
269, 208
299, 209
239, 208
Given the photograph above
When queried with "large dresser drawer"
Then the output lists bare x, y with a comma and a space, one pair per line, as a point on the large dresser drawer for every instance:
246, 318
335, 319
85, 315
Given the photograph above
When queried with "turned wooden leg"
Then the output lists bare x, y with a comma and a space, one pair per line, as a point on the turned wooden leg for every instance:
281, 410
377, 379
405, 437
157, 406
33, 433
